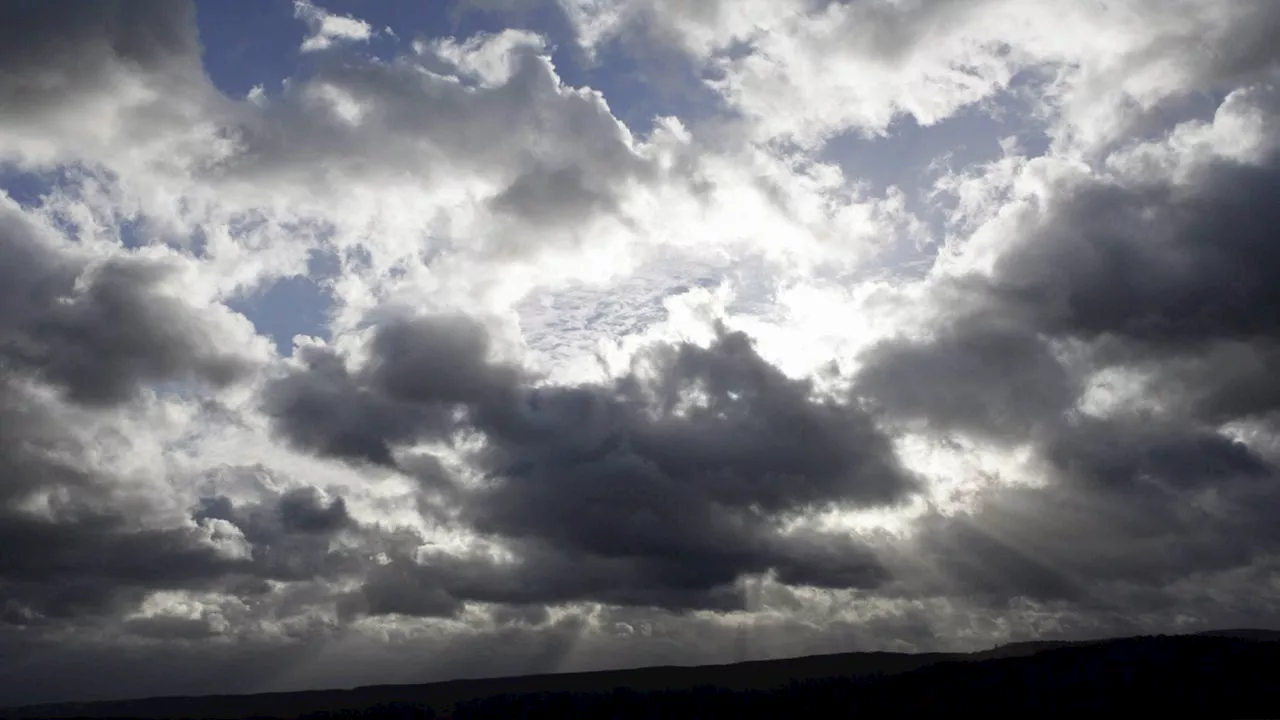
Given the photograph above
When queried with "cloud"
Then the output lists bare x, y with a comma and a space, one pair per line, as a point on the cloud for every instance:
80, 543
999, 381
664, 488
101, 332
92, 77
1154, 276
1128, 513
805, 71
328, 29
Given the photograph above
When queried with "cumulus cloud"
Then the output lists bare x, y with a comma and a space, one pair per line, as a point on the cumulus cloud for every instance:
804, 71
665, 488
100, 332
328, 28
1114, 327
605, 392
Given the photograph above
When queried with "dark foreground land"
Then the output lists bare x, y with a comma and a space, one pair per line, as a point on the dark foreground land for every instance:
1223, 674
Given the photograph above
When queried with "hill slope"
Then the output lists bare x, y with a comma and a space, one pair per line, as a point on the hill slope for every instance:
1220, 673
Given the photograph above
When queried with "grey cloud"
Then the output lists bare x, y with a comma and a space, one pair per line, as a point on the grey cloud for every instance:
543, 146
436, 359
322, 409
50, 55
671, 488
119, 333
99, 333
82, 546
82, 81
544, 196
979, 374
1158, 264
1126, 506
1219, 382
401, 587
617, 493
548, 147
1175, 282
77, 542
423, 369
43, 668
172, 628
289, 533
304, 510
91, 552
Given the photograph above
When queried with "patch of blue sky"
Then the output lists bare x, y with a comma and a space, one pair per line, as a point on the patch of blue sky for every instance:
912, 157
292, 305
641, 85
256, 44
35, 190
28, 188
248, 44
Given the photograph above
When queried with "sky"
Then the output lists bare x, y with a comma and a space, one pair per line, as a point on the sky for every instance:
394, 341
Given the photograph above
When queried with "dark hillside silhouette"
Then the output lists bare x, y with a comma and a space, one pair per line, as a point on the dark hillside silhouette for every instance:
1225, 673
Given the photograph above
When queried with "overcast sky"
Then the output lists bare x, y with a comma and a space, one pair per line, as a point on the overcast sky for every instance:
384, 341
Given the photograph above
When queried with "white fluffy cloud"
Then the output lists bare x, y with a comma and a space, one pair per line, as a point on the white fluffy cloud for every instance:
328, 29
804, 71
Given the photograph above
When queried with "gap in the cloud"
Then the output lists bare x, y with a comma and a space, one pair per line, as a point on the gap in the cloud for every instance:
28, 188
292, 305
248, 43
31, 190
45, 191
641, 84
258, 44
911, 157
140, 231
566, 326
1155, 123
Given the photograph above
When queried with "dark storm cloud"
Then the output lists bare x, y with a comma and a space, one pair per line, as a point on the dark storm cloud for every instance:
1126, 505
1217, 382
50, 53
96, 565
76, 541
98, 333
50, 669
1165, 265
94, 557
663, 488
1176, 282
666, 489
304, 511
84, 554
422, 369
290, 533
1180, 282
322, 408
981, 374
82, 544
437, 360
